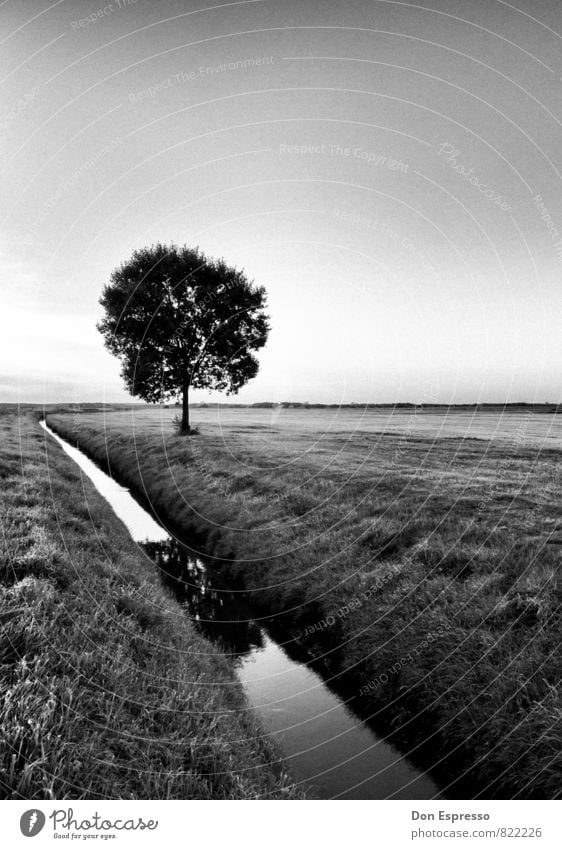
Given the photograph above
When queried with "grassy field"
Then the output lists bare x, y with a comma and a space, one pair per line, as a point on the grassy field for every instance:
106, 689
422, 571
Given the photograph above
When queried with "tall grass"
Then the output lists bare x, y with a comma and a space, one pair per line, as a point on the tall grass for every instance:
449, 549
106, 689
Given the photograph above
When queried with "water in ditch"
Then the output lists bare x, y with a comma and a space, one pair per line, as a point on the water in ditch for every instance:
328, 749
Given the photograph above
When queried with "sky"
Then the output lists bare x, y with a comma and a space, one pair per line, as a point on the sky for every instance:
389, 171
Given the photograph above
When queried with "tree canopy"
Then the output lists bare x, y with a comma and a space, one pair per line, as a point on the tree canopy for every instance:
177, 320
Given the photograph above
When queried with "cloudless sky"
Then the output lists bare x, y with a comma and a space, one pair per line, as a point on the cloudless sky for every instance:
391, 276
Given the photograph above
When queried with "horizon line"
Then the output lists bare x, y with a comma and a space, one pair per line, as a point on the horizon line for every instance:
287, 404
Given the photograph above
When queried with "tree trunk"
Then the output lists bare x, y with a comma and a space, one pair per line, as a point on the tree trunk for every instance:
185, 409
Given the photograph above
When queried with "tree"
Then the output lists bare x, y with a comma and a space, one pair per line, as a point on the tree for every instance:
178, 320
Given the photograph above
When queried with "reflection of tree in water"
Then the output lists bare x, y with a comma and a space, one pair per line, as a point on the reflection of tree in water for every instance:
220, 614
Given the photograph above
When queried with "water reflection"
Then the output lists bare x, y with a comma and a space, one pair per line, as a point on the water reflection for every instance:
327, 748
220, 614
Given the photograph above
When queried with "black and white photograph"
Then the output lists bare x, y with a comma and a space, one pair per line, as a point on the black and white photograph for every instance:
281, 422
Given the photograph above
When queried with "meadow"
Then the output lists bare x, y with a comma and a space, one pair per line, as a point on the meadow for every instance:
417, 565
107, 690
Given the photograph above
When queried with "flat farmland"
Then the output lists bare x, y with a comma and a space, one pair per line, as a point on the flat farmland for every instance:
414, 554
511, 427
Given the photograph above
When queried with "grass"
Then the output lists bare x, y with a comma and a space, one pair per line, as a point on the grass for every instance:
106, 688
422, 572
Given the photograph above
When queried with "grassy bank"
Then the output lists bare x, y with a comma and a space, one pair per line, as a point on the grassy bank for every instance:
422, 572
106, 689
